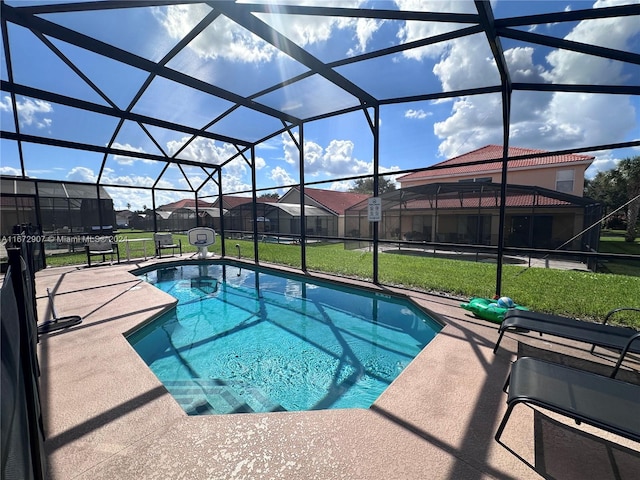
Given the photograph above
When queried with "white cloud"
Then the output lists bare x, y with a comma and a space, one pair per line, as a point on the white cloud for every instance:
5, 104
281, 177
271, 144
137, 199
82, 174
260, 163
540, 120
417, 114
307, 30
225, 39
221, 39
416, 30
521, 66
203, 150
465, 62
87, 175
365, 29
10, 171
573, 67
607, 160
343, 186
30, 112
336, 159
473, 123
235, 176
124, 160
604, 161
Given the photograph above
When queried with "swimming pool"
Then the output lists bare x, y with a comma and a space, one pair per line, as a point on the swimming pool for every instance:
241, 340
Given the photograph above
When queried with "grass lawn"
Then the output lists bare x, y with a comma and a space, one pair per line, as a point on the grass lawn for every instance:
612, 241
579, 294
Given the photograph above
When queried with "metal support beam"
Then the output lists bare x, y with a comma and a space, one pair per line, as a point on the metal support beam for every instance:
254, 206
376, 185
303, 216
221, 210
488, 23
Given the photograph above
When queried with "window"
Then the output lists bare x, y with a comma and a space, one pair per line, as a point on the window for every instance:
564, 181
479, 179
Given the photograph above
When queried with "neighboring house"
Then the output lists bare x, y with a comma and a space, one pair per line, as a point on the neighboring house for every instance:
230, 201
122, 218
331, 201
231, 210
183, 215
324, 213
453, 203
563, 173
275, 218
141, 221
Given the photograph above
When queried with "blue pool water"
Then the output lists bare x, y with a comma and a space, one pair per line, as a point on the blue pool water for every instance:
247, 341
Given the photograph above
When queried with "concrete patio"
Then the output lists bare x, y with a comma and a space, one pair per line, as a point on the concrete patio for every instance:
107, 416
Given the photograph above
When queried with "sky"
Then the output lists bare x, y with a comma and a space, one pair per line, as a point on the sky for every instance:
412, 135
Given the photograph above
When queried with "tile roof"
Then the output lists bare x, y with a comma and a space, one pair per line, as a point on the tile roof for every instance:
231, 201
495, 152
185, 202
334, 200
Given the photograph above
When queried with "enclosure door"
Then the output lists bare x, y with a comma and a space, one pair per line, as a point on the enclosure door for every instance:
530, 231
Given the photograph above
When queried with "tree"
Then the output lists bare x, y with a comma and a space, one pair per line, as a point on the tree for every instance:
628, 172
365, 185
615, 188
605, 188
271, 196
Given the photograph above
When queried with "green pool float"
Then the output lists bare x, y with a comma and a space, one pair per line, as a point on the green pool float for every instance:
489, 309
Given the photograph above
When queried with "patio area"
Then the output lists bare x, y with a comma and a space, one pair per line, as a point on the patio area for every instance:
107, 416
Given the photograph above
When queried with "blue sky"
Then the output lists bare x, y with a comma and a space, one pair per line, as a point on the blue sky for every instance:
412, 135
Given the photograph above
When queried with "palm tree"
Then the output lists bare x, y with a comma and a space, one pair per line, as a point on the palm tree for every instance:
628, 171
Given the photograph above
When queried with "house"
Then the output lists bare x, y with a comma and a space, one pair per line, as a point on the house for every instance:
185, 214
324, 213
458, 201
332, 201
122, 218
277, 218
563, 173
230, 201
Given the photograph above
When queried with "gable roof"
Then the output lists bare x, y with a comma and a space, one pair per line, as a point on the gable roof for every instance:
334, 200
231, 201
535, 159
184, 203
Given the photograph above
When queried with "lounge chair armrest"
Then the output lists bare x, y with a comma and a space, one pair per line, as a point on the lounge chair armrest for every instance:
623, 353
616, 310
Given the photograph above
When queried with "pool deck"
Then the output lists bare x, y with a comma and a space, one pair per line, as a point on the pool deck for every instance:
107, 416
